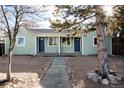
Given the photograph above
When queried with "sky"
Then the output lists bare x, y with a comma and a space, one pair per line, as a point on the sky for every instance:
46, 24
108, 9
50, 9
48, 14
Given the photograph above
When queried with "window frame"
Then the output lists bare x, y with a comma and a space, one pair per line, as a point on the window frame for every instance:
54, 39
18, 39
94, 41
66, 42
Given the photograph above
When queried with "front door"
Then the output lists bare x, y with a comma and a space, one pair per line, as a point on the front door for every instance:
41, 44
77, 44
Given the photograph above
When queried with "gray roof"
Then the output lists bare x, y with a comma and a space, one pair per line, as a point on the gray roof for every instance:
43, 30
51, 31
47, 31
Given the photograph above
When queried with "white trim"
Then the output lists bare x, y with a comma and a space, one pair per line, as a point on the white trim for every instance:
45, 43
66, 45
17, 41
59, 45
93, 40
52, 45
111, 44
35, 45
52, 34
82, 45
5, 46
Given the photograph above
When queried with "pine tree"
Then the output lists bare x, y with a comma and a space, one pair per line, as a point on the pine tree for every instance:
84, 18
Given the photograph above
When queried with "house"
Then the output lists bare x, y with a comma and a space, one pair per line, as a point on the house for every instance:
34, 41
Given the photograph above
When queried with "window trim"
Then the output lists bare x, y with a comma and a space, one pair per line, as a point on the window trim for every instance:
94, 41
17, 41
66, 44
52, 45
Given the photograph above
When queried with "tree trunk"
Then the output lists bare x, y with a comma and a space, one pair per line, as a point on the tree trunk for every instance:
9, 57
101, 49
9, 62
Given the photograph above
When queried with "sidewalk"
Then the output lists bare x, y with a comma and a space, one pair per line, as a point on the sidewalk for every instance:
56, 76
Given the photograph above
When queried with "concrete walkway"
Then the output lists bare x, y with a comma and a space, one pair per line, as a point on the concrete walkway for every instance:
56, 76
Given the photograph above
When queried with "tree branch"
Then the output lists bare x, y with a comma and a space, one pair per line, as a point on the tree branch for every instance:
7, 23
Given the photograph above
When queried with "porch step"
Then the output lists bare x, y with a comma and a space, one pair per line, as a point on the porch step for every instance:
59, 55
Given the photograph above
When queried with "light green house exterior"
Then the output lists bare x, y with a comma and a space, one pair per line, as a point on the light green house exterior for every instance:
54, 42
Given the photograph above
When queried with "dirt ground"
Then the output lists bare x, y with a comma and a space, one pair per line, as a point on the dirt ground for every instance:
81, 65
28, 69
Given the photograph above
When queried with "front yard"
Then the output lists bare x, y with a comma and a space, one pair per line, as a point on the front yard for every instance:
26, 70
80, 66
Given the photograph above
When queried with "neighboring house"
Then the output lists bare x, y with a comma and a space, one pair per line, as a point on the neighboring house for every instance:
34, 41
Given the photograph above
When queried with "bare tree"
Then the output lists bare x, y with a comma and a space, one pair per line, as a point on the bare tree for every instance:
12, 17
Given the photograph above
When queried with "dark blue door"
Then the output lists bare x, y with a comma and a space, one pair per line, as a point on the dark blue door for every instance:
41, 44
77, 44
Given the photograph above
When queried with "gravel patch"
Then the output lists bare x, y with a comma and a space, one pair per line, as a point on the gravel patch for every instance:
20, 80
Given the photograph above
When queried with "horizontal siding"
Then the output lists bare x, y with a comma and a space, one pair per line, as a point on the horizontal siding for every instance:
68, 49
50, 49
108, 44
28, 49
55, 49
88, 44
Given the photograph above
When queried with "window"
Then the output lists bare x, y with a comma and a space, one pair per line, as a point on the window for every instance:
20, 41
65, 41
94, 41
52, 41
